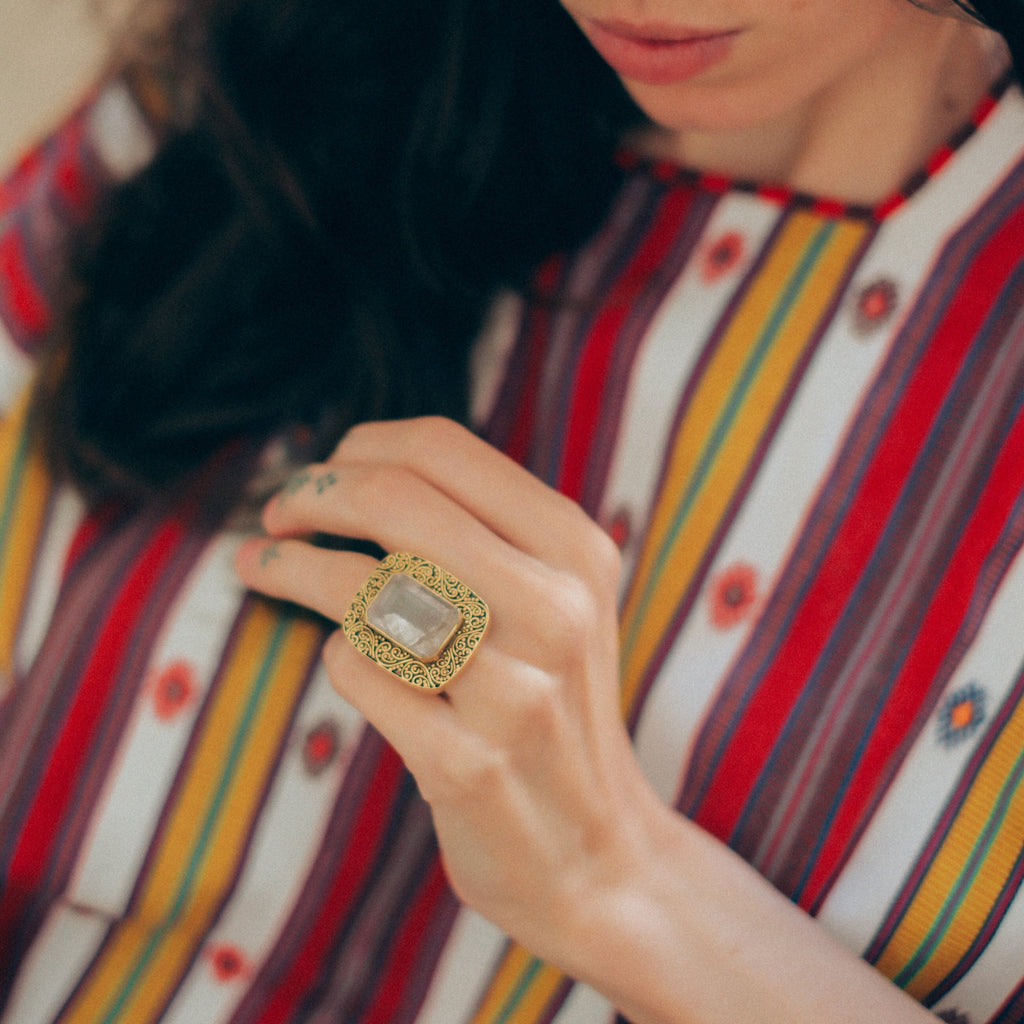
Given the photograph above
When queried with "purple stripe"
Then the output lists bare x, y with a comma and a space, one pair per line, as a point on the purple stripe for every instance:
842, 698
199, 730
631, 335
687, 600
945, 823
591, 276
85, 603
831, 508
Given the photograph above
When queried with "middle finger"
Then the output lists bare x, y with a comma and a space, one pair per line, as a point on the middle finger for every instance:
397, 509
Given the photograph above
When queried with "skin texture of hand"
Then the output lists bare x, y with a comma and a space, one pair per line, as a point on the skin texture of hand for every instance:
525, 762
545, 821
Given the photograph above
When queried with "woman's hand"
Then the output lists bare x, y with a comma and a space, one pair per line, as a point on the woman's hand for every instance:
546, 823
524, 762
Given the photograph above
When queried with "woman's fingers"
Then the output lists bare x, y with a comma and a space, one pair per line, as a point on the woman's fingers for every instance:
489, 692
431, 487
375, 501
401, 512
524, 751
527, 603
294, 570
488, 485
326, 582
547, 572
398, 509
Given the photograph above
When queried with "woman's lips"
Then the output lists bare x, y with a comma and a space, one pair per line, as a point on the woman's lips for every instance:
657, 56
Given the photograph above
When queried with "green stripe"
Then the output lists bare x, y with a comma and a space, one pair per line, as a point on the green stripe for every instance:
199, 852
716, 439
11, 494
521, 989
964, 883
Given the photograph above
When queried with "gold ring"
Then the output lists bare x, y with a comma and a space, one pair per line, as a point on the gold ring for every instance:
416, 620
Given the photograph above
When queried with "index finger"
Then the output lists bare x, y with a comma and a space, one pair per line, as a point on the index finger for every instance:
508, 499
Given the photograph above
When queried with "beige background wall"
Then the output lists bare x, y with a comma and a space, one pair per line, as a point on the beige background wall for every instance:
49, 51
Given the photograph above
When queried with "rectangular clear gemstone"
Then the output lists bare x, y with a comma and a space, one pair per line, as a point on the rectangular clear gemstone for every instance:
414, 616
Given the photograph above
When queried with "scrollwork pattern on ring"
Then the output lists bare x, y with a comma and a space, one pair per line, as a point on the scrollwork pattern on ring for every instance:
391, 656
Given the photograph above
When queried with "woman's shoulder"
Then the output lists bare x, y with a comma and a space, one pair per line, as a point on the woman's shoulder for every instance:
49, 190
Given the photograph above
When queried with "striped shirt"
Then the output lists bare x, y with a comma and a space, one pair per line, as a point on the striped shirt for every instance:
802, 423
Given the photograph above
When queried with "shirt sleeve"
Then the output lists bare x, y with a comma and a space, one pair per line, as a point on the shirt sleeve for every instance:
51, 189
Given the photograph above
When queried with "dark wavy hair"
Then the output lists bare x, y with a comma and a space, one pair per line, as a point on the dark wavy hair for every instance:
1005, 16
339, 189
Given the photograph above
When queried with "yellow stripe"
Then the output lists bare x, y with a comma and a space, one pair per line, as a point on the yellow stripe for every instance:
520, 991
947, 872
506, 979
680, 535
205, 835
512, 997
25, 489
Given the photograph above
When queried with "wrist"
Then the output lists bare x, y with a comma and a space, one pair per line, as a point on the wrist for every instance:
685, 932
633, 921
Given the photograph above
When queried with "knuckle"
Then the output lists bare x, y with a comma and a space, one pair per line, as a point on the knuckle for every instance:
374, 487
575, 606
360, 437
437, 427
598, 557
427, 437
540, 707
605, 559
465, 770
566, 619
409, 440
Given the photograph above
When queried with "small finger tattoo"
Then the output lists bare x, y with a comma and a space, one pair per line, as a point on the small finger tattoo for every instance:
328, 479
297, 482
269, 554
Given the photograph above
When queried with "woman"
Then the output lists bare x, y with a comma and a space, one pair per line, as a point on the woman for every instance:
783, 383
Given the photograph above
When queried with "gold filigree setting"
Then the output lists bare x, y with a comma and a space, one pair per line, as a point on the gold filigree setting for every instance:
387, 649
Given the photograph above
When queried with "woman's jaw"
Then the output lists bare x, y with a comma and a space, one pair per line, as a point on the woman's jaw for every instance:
786, 92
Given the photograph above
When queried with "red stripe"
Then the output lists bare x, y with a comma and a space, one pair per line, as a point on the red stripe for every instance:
517, 446
829, 208
717, 183
394, 979
71, 177
985, 107
28, 170
856, 540
889, 206
42, 829
91, 529
776, 194
592, 374
19, 293
361, 849
939, 159
943, 620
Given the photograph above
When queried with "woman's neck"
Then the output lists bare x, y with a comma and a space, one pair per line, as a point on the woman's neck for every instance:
861, 139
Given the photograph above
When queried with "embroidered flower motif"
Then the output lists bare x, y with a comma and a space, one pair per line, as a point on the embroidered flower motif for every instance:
619, 529
875, 304
723, 255
174, 690
732, 595
321, 746
954, 1017
961, 715
227, 963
